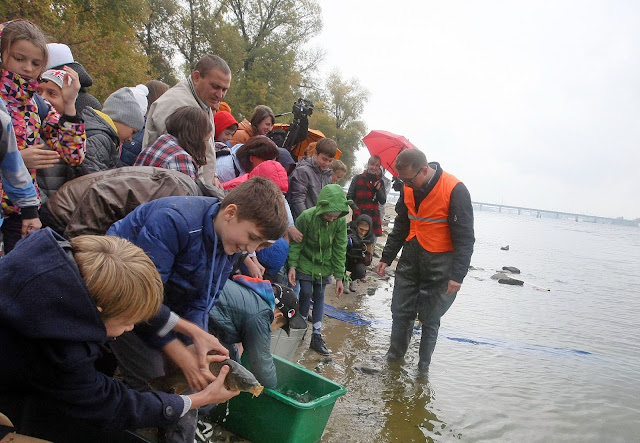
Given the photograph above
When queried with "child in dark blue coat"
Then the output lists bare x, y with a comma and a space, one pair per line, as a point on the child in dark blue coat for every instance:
56, 315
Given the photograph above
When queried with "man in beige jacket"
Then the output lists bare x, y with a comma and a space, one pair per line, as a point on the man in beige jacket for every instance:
205, 88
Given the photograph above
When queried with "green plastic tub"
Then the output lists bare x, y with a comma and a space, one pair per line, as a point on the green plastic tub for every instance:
276, 417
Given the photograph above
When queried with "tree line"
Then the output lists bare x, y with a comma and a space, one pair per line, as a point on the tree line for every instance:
126, 42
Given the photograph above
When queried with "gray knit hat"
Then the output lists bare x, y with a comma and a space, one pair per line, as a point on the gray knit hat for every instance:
123, 107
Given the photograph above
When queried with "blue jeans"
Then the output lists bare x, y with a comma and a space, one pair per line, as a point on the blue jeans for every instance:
315, 289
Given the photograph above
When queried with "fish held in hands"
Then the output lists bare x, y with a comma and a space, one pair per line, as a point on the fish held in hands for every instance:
238, 378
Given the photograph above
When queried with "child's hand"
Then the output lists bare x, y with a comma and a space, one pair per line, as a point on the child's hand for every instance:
215, 392
292, 276
29, 225
339, 288
70, 88
253, 267
35, 157
295, 234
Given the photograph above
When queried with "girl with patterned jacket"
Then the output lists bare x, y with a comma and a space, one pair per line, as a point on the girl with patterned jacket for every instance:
24, 57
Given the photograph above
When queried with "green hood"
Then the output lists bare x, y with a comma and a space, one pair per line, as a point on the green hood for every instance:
323, 249
332, 199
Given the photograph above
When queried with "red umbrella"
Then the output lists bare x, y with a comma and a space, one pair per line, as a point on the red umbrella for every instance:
387, 146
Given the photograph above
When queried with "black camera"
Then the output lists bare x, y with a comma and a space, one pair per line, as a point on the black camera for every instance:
397, 184
302, 107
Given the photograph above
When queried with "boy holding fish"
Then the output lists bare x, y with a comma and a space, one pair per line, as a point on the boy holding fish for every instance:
193, 242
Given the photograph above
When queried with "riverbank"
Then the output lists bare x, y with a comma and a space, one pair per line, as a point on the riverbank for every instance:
512, 363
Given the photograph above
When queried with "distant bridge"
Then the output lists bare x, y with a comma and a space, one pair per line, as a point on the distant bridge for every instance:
538, 213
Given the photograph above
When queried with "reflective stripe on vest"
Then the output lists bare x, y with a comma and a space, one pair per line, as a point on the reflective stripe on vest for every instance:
430, 223
435, 220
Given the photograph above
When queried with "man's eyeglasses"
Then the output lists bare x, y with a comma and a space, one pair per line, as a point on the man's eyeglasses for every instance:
409, 182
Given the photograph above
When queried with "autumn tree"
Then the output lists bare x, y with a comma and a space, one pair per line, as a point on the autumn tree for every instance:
341, 115
273, 33
155, 38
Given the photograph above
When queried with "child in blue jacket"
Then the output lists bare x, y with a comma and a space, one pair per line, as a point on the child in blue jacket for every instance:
193, 242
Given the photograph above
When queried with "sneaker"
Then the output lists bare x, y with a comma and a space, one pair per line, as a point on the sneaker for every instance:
317, 344
345, 289
204, 432
352, 286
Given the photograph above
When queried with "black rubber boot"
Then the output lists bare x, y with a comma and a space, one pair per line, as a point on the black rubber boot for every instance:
400, 338
317, 344
427, 347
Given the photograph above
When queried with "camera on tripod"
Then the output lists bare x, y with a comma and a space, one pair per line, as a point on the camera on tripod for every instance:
302, 110
302, 107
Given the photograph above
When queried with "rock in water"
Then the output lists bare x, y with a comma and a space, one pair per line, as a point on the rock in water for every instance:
499, 275
511, 281
238, 378
511, 269
505, 248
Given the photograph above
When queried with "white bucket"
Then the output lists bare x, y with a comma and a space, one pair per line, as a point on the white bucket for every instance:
284, 345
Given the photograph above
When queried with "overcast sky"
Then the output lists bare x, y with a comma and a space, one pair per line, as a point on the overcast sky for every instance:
530, 103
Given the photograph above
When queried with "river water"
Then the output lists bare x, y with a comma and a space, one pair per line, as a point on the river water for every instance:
513, 364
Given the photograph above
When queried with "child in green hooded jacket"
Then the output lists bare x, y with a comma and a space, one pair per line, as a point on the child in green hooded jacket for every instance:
320, 255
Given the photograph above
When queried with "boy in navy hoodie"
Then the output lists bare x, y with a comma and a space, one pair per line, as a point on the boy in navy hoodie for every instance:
56, 316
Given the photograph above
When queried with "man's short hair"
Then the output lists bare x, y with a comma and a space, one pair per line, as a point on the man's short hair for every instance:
337, 165
121, 278
209, 62
413, 158
327, 146
258, 146
260, 201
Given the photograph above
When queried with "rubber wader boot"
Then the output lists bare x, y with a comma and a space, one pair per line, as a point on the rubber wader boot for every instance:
317, 344
427, 345
400, 338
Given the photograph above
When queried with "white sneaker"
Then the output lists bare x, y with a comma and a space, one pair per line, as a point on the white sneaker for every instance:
204, 432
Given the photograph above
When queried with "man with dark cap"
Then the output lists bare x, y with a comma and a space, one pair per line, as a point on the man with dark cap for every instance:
246, 312
59, 56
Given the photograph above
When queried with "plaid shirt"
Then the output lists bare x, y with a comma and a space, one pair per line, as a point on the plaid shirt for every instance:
166, 153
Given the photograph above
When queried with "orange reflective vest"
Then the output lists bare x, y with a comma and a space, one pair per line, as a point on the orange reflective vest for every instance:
430, 223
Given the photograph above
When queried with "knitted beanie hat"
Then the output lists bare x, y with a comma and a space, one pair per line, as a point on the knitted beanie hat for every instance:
140, 93
54, 75
60, 55
123, 107
222, 120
